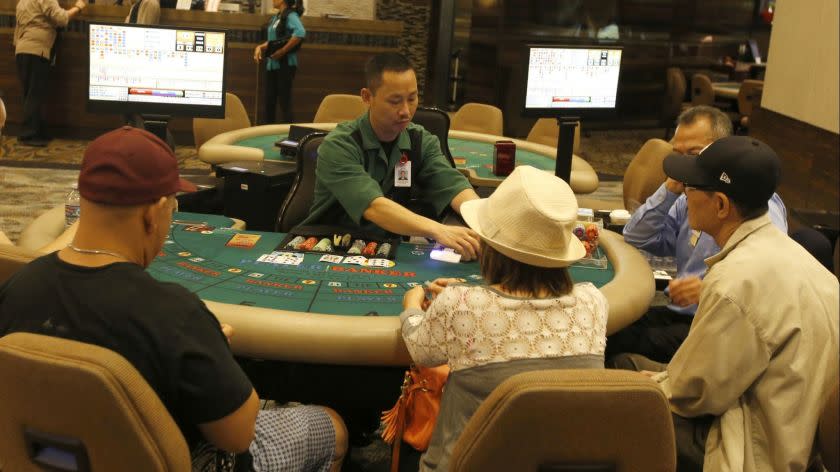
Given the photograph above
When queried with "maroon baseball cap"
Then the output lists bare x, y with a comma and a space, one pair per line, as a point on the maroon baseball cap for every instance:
129, 166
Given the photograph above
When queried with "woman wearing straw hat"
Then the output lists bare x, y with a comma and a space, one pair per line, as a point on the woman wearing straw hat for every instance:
528, 315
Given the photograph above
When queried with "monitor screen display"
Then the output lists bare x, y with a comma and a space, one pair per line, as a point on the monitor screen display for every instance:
571, 80
156, 70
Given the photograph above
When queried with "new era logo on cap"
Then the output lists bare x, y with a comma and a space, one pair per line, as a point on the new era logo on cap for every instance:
725, 178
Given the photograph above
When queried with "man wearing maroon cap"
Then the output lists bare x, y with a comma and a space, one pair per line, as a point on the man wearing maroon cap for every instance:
749, 383
96, 291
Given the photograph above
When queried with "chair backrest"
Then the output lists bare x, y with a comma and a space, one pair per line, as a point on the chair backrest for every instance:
702, 92
84, 401
479, 118
644, 174
12, 259
299, 200
828, 434
749, 96
339, 107
2, 116
674, 93
43, 229
570, 417
545, 131
436, 121
236, 117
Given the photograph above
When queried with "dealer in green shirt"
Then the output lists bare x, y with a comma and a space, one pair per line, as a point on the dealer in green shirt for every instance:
369, 168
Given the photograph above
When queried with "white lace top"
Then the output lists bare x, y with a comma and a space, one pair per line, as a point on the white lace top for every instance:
469, 326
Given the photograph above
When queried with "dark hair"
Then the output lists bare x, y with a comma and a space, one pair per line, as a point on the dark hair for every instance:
515, 276
295, 5
748, 210
720, 123
378, 64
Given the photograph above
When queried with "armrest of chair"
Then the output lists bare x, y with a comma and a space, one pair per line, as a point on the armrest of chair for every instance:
43, 230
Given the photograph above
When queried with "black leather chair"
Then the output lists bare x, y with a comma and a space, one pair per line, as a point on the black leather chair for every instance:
297, 204
436, 121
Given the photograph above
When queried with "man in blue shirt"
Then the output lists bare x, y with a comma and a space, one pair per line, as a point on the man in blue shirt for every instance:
660, 227
281, 65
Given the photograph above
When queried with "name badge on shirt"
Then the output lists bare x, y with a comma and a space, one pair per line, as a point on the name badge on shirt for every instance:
402, 173
695, 235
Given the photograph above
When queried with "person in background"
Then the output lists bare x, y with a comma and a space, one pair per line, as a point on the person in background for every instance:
35, 37
144, 12
748, 385
96, 290
527, 315
660, 226
357, 182
281, 65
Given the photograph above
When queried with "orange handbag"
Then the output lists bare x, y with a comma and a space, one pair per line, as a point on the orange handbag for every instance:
413, 418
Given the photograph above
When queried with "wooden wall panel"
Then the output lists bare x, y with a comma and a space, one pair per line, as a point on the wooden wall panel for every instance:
810, 159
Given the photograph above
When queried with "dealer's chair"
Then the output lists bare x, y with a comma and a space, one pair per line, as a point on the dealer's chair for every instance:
436, 121
702, 92
339, 107
84, 405
828, 434
593, 420
236, 117
479, 118
299, 200
545, 131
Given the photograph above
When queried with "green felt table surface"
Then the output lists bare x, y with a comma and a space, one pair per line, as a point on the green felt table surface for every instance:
201, 262
468, 154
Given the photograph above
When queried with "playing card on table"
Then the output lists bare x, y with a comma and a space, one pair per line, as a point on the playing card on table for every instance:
380, 263
288, 258
360, 260
332, 258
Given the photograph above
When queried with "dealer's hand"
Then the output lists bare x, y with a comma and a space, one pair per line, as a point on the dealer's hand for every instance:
685, 291
258, 53
462, 239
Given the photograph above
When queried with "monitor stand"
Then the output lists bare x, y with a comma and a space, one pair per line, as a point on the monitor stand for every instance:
158, 126
565, 146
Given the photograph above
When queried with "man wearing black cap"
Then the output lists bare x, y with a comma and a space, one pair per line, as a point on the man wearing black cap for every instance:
96, 291
761, 355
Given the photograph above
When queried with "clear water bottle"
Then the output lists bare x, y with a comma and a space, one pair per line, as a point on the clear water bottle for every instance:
71, 206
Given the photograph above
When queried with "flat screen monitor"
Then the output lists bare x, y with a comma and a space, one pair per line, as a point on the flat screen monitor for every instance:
160, 70
571, 80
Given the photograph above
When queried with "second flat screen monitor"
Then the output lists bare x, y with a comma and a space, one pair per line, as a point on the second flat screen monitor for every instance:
571, 80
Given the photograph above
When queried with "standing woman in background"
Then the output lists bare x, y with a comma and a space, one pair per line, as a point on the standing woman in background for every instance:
35, 34
281, 64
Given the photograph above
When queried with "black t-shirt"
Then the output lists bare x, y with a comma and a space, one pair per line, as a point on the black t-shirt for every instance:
163, 330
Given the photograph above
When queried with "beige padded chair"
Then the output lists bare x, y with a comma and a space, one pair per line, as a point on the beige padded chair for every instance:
545, 131
236, 117
828, 434
643, 176
479, 118
2, 118
339, 107
12, 259
749, 98
673, 103
618, 420
84, 400
702, 92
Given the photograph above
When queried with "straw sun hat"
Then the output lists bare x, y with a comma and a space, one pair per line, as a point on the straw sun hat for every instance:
530, 218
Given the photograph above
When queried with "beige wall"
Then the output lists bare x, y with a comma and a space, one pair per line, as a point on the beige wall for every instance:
357, 9
802, 70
